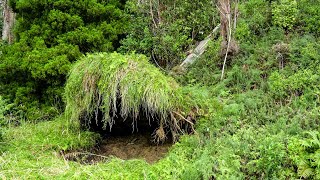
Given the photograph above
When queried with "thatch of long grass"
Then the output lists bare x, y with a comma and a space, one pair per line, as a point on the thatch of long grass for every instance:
97, 82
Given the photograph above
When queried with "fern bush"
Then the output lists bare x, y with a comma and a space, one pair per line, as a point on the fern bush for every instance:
256, 18
303, 83
305, 153
284, 13
309, 16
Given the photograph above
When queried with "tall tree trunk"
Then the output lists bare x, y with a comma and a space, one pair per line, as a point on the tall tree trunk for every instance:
8, 22
225, 13
229, 45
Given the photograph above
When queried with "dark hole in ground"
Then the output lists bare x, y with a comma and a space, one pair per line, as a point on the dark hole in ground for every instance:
124, 141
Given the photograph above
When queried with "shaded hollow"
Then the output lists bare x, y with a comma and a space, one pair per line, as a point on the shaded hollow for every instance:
125, 139
143, 124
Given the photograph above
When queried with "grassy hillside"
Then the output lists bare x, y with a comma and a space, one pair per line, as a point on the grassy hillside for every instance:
260, 122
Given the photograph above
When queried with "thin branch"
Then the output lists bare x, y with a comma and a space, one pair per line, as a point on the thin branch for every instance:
180, 115
220, 11
151, 13
228, 47
154, 59
228, 13
159, 12
86, 153
235, 15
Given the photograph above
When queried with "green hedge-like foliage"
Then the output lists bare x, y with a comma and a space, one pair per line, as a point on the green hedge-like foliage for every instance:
50, 36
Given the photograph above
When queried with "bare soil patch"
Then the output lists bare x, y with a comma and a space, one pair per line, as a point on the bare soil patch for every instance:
136, 146
121, 142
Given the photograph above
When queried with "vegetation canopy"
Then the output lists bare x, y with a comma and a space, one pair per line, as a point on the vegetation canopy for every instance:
123, 85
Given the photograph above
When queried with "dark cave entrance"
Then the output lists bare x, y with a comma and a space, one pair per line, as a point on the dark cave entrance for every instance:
144, 124
126, 139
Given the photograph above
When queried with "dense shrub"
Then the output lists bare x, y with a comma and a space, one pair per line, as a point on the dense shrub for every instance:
50, 36
303, 83
300, 77
309, 16
284, 13
254, 18
304, 52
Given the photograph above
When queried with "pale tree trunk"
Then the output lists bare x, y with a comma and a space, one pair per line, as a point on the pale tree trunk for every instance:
229, 45
8, 22
225, 13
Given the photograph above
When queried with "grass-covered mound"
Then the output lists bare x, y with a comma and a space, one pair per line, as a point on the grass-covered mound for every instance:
123, 85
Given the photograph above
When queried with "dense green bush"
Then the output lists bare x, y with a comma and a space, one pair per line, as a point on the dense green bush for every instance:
300, 77
284, 13
305, 52
303, 83
254, 18
50, 36
309, 16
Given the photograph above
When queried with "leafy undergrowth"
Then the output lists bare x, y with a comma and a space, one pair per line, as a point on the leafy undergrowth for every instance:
238, 137
33, 151
261, 122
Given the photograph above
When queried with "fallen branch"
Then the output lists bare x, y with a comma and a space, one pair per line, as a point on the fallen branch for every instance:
199, 50
74, 155
180, 115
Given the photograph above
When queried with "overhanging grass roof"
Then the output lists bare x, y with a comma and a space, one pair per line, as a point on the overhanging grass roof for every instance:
97, 82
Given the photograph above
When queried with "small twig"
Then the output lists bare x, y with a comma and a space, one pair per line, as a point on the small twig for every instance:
159, 12
220, 11
64, 159
235, 15
153, 58
187, 120
183, 118
91, 154
175, 123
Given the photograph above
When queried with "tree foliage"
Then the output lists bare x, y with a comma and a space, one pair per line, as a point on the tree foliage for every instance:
166, 30
285, 13
50, 36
